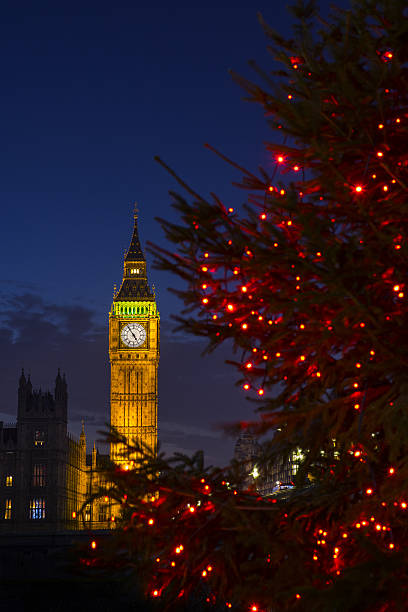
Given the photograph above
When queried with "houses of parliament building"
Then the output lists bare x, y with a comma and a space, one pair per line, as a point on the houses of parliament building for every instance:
46, 475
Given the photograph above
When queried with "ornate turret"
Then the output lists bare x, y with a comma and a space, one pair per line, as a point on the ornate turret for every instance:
94, 456
82, 437
22, 392
22, 381
58, 385
134, 285
61, 396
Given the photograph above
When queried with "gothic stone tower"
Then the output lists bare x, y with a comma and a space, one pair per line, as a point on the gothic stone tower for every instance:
134, 353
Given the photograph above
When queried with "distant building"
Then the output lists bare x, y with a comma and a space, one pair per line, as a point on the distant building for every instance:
246, 453
45, 474
279, 476
42, 468
268, 480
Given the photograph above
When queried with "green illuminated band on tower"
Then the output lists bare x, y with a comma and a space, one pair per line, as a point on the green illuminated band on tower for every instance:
135, 309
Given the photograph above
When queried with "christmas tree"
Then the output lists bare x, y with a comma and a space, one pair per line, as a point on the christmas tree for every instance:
309, 284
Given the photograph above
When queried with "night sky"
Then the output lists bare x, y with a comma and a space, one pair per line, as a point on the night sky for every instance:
91, 91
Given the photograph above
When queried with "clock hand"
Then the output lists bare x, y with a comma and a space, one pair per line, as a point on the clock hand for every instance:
133, 335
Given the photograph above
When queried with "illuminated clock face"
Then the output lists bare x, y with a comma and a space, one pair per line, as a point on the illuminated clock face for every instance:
133, 335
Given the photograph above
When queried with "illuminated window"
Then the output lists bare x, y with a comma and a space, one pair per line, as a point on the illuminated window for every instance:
37, 508
9, 481
88, 513
38, 475
103, 514
7, 510
135, 271
39, 438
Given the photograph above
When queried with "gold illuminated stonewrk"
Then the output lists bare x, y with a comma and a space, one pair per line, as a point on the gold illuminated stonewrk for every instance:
134, 328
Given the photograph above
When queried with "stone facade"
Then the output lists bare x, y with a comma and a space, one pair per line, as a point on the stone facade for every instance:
46, 476
42, 467
134, 340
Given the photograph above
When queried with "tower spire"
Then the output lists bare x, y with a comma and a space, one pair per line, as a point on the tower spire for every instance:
134, 252
134, 285
82, 437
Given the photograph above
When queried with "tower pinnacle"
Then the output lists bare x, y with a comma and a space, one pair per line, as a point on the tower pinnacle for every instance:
135, 253
134, 285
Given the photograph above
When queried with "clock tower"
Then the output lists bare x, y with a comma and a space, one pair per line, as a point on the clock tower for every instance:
134, 328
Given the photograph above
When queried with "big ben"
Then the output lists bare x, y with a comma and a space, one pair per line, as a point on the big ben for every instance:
134, 343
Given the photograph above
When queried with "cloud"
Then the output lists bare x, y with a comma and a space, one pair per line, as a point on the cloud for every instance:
42, 336
186, 430
13, 284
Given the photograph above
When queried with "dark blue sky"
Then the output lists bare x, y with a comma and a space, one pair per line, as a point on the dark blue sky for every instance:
91, 91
